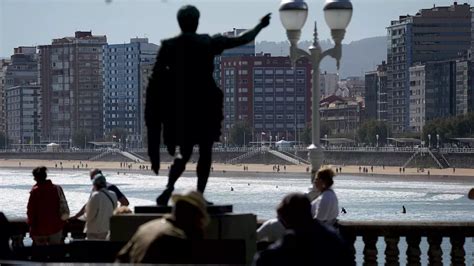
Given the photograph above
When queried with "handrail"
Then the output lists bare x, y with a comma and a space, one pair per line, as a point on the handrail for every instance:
370, 231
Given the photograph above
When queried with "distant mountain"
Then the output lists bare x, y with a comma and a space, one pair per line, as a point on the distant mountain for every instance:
357, 57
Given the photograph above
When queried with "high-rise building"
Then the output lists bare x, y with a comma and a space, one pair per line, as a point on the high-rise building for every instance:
268, 93
21, 78
23, 108
376, 93
3, 70
464, 86
123, 92
438, 33
243, 50
328, 83
72, 88
432, 92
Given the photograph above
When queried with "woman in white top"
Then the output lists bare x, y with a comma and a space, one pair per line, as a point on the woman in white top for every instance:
325, 208
99, 209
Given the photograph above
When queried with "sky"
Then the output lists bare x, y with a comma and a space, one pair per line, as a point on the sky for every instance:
37, 22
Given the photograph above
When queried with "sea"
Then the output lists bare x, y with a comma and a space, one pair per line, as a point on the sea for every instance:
365, 198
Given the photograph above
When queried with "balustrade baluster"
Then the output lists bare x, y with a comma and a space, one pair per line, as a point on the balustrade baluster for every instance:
413, 250
391, 251
434, 252
370, 250
457, 250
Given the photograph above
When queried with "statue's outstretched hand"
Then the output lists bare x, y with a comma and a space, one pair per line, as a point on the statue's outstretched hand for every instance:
265, 21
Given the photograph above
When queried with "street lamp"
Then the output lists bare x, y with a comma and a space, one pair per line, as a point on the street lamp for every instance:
437, 141
293, 14
326, 139
429, 141
377, 137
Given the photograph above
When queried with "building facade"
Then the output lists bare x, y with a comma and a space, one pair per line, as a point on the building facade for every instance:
342, 116
376, 93
328, 83
417, 98
3, 70
21, 73
434, 34
268, 94
123, 90
23, 109
72, 88
464, 87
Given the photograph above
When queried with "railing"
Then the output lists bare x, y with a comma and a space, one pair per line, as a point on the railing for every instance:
370, 232
457, 232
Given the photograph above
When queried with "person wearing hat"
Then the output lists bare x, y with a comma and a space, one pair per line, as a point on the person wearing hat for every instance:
99, 209
120, 196
325, 207
188, 220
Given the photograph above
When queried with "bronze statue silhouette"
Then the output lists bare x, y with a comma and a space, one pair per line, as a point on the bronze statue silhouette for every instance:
183, 101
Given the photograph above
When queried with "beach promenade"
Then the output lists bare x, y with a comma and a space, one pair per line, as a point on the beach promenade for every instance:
238, 169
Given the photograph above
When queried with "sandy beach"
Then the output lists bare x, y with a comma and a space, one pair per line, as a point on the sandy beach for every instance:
220, 168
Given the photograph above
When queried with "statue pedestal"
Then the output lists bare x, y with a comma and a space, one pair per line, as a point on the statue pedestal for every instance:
224, 225
211, 209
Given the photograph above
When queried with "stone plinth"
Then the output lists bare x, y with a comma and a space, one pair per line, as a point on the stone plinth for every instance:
221, 226
211, 209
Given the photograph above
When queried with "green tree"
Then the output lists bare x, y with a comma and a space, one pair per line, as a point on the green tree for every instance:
368, 131
80, 138
240, 133
306, 135
120, 134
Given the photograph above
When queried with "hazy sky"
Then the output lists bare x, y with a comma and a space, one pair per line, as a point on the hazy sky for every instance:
36, 22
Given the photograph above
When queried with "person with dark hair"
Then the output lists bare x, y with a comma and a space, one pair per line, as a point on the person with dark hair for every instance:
5, 250
120, 196
187, 220
43, 215
99, 209
325, 207
183, 100
306, 241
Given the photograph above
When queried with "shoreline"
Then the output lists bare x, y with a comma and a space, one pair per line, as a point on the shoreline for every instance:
255, 170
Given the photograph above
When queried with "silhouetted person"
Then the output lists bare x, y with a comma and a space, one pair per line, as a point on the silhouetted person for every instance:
404, 210
183, 99
343, 210
187, 220
306, 241
5, 230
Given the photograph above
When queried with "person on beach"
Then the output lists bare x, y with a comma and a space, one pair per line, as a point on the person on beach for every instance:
188, 220
306, 241
43, 215
120, 196
183, 100
99, 209
325, 207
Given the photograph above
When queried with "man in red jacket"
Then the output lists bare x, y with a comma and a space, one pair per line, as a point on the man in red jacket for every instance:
43, 214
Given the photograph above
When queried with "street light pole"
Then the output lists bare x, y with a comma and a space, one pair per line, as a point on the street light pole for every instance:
293, 14
377, 137
429, 141
437, 141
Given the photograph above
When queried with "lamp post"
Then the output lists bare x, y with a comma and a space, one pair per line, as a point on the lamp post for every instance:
326, 139
293, 14
429, 141
437, 141
377, 137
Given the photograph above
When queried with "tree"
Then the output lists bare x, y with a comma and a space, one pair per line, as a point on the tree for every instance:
306, 135
240, 133
368, 131
120, 134
80, 138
